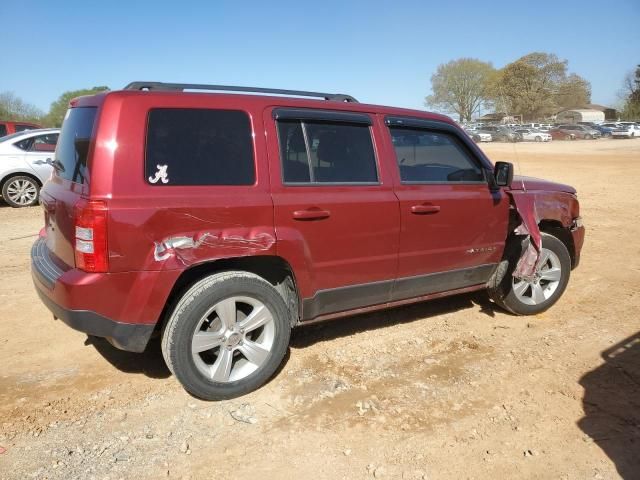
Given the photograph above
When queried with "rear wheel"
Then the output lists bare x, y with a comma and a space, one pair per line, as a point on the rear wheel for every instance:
528, 296
227, 335
21, 191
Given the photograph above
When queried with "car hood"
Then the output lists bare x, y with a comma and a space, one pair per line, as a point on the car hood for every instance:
531, 183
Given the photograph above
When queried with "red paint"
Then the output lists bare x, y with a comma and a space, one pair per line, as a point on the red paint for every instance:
331, 236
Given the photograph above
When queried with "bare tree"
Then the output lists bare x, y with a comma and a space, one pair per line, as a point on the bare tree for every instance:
460, 86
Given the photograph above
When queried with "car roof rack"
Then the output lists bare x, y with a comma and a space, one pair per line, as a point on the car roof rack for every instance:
150, 86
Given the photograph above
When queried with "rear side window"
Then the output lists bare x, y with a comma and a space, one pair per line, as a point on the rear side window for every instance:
199, 147
325, 152
41, 143
425, 156
22, 128
3, 130
73, 145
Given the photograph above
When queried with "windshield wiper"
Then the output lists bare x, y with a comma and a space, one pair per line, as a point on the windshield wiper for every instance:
57, 164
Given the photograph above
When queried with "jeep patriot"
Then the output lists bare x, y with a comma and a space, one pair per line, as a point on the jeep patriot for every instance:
222, 217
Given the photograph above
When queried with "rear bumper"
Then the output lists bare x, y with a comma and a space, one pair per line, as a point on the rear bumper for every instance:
121, 307
125, 336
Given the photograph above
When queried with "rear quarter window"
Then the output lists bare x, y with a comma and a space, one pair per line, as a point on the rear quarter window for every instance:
199, 147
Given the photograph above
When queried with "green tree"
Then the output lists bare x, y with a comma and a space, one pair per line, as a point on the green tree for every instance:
573, 92
460, 86
631, 94
59, 108
528, 85
13, 108
538, 85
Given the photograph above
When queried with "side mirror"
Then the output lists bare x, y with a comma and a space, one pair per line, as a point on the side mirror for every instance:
503, 174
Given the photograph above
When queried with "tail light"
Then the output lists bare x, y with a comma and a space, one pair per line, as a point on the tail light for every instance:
91, 236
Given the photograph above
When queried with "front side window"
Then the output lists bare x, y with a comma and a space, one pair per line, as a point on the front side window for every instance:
426, 156
3, 130
326, 152
190, 146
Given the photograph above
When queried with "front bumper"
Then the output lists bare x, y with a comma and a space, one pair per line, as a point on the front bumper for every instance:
577, 232
121, 307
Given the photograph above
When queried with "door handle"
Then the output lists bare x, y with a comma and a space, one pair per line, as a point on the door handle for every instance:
311, 214
425, 209
43, 162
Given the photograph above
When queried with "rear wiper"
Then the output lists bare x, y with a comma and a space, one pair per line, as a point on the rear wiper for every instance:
57, 164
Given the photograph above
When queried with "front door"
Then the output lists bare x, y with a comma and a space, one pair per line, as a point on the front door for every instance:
453, 226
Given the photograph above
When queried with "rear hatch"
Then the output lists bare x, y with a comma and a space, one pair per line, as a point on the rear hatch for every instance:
68, 184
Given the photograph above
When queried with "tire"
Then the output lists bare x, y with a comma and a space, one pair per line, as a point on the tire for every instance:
228, 360
521, 297
538, 139
21, 191
568, 137
588, 137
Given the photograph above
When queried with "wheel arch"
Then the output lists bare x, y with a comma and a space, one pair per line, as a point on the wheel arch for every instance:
274, 269
555, 228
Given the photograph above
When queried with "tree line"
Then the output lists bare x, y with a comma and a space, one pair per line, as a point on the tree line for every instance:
14, 108
535, 86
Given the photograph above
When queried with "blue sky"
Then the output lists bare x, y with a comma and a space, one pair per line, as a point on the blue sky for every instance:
379, 52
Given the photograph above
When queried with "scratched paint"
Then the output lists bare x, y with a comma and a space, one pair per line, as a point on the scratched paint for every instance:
178, 245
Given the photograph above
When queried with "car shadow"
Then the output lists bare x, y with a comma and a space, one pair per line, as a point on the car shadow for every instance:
151, 362
612, 406
344, 327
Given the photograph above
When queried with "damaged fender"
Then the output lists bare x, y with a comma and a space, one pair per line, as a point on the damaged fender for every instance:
525, 205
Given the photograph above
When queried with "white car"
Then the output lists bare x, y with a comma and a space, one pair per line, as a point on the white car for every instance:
534, 135
477, 136
25, 164
626, 130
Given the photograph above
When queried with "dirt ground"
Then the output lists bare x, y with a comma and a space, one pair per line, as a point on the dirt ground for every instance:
449, 389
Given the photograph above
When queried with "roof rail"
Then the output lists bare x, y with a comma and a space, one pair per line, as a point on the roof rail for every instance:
336, 97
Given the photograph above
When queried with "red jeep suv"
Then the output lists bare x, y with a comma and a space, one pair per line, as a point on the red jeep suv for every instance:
223, 220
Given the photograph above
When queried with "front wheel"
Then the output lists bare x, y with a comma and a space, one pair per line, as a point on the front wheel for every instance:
227, 335
21, 191
588, 137
536, 294
538, 139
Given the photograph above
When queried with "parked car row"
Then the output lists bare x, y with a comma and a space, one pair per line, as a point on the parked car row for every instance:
545, 132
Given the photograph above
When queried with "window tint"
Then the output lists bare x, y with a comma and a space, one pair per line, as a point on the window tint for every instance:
73, 144
325, 152
293, 152
199, 147
426, 156
22, 128
3, 130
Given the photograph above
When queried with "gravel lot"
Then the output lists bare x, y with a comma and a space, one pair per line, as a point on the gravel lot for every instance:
448, 389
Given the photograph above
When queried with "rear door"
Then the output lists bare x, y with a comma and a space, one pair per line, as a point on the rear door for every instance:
60, 195
336, 216
453, 225
39, 152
